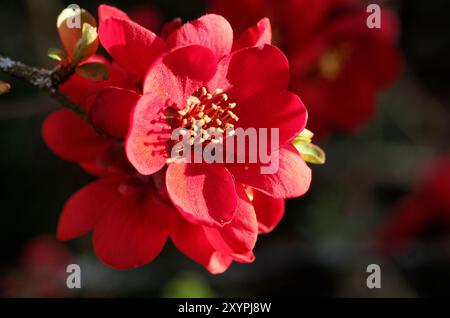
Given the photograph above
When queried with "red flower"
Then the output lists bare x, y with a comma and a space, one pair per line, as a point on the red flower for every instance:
428, 206
41, 272
108, 105
199, 74
338, 65
129, 211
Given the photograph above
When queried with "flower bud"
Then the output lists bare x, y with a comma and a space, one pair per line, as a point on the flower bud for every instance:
4, 88
73, 23
311, 153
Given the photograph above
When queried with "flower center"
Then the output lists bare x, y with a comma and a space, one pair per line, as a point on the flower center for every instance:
207, 114
332, 62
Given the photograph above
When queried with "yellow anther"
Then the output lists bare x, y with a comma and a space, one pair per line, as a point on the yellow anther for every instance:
232, 115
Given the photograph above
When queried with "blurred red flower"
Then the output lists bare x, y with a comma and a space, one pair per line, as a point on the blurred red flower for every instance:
338, 65
147, 16
130, 211
41, 271
428, 207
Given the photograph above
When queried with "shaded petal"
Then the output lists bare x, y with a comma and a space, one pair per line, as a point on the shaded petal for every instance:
111, 110
191, 240
132, 46
257, 35
71, 138
254, 69
179, 74
212, 31
203, 193
106, 11
147, 141
133, 229
277, 109
239, 236
269, 211
292, 179
171, 27
84, 208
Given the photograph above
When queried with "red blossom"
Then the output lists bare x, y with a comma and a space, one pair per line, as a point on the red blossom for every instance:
338, 65
202, 62
205, 209
41, 271
427, 206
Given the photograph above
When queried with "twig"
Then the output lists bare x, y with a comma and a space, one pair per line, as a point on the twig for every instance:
49, 82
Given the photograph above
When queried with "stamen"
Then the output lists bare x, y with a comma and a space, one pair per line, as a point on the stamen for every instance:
207, 113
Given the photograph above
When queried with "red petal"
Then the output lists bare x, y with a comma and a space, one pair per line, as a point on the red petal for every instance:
71, 138
105, 12
269, 211
292, 179
249, 77
132, 46
204, 193
257, 35
146, 143
171, 27
134, 227
110, 162
274, 109
179, 74
84, 208
111, 110
239, 236
211, 31
191, 240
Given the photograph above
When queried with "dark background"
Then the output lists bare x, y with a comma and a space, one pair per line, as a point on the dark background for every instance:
324, 243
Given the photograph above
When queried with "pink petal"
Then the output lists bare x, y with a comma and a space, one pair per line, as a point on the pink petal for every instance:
191, 240
239, 236
292, 179
148, 136
257, 35
203, 193
181, 73
132, 46
212, 31
171, 27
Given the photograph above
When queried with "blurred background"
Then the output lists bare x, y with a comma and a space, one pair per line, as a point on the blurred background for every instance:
382, 197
